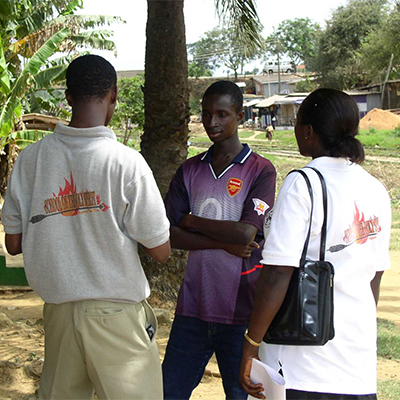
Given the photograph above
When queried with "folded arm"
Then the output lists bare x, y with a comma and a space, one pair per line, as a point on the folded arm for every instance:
230, 232
188, 240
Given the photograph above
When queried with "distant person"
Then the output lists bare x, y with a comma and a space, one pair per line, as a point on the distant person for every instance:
269, 132
77, 205
216, 204
357, 244
273, 121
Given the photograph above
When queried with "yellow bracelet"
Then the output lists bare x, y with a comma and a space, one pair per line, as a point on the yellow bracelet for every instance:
250, 340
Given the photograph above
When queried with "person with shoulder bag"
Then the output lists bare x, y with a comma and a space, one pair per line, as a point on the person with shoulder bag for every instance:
358, 220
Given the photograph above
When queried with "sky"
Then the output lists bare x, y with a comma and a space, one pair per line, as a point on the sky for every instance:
200, 17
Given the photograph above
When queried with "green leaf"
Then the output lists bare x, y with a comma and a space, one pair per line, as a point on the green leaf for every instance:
38, 61
49, 76
4, 78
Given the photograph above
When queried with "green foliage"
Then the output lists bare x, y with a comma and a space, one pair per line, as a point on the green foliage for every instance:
196, 69
11, 105
31, 31
380, 45
388, 339
297, 38
219, 47
306, 86
337, 58
129, 112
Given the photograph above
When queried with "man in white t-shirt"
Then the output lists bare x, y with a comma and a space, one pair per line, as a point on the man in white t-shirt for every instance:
77, 205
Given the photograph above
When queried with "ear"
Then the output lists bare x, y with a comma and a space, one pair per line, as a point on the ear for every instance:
309, 132
114, 95
240, 116
68, 97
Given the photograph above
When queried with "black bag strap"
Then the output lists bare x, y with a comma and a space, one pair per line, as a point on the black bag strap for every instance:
325, 206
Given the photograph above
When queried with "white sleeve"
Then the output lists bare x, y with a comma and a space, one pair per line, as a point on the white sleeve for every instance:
145, 217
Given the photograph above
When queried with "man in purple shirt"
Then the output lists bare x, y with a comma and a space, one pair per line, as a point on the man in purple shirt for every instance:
216, 204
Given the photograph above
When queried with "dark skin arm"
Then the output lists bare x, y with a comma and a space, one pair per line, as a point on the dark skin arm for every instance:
376, 284
13, 243
227, 231
196, 233
159, 253
271, 289
187, 240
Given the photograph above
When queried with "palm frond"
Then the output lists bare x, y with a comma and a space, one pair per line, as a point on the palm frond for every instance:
88, 21
242, 16
94, 39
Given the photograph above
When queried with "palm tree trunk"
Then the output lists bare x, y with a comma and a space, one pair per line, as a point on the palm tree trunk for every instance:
166, 102
166, 93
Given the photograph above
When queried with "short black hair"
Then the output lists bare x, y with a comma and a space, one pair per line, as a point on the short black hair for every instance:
90, 76
227, 87
335, 117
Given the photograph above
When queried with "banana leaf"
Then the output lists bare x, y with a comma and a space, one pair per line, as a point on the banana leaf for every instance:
25, 80
48, 76
4, 78
38, 61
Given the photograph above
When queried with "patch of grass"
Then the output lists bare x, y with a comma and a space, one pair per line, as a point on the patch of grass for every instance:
200, 139
389, 390
388, 339
193, 151
245, 134
384, 138
283, 166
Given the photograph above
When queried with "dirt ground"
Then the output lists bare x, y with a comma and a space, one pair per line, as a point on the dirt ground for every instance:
22, 340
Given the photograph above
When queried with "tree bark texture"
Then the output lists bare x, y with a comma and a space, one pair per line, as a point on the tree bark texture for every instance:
164, 141
166, 92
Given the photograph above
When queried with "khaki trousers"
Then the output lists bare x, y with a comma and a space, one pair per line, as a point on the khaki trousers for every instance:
103, 347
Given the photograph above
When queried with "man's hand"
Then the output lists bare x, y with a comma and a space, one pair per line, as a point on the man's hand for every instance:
249, 353
241, 250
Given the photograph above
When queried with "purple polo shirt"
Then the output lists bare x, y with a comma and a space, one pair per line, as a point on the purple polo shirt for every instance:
218, 286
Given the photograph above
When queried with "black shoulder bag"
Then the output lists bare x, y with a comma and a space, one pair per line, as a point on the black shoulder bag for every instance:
306, 315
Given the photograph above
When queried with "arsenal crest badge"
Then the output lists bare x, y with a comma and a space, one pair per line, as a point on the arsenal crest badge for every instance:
234, 186
260, 206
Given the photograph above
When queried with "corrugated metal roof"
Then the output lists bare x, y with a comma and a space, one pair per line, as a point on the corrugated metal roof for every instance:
270, 100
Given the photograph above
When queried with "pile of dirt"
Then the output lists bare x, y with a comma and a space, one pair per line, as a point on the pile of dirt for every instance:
380, 119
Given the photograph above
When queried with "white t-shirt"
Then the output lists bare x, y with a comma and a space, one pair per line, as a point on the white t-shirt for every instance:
358, 233
83, 201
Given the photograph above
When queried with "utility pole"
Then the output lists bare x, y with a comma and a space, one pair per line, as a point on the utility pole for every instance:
386, 79
279, 66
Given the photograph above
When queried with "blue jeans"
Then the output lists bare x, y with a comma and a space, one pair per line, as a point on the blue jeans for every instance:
191, 344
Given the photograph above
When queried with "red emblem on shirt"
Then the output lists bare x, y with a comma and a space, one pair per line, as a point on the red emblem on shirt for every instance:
234, 186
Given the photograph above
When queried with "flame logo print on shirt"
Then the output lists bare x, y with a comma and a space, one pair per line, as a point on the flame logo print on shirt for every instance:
69, 203
234, 186
359, 232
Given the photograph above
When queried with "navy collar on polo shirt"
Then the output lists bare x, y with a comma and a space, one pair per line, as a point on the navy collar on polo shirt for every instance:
239, 159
